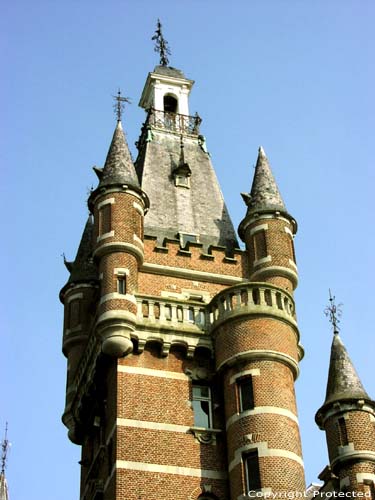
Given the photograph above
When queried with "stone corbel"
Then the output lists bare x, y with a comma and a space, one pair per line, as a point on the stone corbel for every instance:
203, 435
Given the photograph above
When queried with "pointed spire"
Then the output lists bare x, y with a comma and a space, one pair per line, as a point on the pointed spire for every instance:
264, 195
119, 167
83, 267
4, 451
343, 381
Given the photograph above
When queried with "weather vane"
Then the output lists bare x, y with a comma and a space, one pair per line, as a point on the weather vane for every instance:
119, 104
161, 45
4, 450
334, 312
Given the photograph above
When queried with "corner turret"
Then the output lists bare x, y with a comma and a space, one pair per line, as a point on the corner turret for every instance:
348, 418
118, 205
268, 230
78, 296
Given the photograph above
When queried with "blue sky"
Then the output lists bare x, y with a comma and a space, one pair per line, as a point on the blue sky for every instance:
294, 76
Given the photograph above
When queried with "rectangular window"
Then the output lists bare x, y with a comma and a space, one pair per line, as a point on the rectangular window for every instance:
202, 406
245, 393
121, 285
343, 433
74, 313
251, 461
260, 245
105, 219
292, 250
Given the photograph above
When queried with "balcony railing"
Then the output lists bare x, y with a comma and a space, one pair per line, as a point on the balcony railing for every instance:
167, 312
174, 122
253, 298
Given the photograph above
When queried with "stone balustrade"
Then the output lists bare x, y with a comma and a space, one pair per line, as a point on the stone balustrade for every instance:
174, 313
251, 298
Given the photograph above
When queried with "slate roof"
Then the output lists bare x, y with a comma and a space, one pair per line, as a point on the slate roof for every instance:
199, 210
83, 267
264, 195
118, 167
343, 381
169, 71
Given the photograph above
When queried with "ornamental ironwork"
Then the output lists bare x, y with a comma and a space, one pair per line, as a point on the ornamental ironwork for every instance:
174, 122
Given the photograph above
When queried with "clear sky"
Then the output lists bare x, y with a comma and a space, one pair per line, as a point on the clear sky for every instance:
294, 76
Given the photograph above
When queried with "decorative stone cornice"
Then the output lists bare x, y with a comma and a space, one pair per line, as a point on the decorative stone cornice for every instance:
262, 355
270, 271
120, 246
352, 455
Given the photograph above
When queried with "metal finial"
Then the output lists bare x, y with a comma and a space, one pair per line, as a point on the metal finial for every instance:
161, 45
4, 449
334, 312
120, 104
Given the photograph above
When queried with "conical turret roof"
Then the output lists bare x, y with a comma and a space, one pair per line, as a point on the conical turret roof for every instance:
343, 381
119, 167
83, 267
3, 487
264, 195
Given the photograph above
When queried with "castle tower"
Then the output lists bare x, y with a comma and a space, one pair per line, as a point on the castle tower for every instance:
348, 418
78, 295
258, 351
182, 349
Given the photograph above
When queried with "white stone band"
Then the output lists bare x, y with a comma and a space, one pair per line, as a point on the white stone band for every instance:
170, 469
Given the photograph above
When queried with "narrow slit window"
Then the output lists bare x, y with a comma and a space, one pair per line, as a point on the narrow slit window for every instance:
245, 393
292, 250
343, 432
260, 245
251, 461
121, 285
74, 313
105, 219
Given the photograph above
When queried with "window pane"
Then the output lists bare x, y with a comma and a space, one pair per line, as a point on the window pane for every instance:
202, 406
201, 413
246, 393
252, 471
201, 391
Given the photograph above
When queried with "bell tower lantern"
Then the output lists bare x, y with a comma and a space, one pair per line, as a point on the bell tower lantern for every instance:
167, 90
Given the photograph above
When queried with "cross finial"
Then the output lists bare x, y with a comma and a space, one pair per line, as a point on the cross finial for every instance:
4, 449
334, 312
119, 104
161, 45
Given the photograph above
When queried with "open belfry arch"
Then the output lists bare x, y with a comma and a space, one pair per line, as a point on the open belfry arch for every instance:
182, 348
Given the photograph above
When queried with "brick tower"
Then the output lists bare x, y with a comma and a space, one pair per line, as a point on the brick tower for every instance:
182, 349
348, 418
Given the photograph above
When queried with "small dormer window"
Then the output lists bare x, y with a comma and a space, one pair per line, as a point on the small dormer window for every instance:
170, 104
182, 180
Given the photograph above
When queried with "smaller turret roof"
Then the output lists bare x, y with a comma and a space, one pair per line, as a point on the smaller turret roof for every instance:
264, 194
119, 167
83, 267
343, 381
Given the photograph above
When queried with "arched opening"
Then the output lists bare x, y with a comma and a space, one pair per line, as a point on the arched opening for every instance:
170, 104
